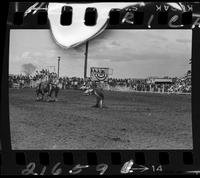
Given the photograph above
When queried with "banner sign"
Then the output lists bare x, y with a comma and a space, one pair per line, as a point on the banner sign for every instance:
99, 74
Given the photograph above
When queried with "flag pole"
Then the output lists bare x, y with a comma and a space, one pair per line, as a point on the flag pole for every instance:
86, 58
58, 65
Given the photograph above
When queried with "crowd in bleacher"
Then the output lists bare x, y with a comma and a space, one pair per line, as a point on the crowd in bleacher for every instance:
179, 85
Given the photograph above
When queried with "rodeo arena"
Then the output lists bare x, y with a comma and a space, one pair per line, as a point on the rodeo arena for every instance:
99, 112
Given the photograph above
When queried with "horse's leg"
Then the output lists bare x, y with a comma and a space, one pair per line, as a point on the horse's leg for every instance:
42, 94
56, 93
38, 92
49, 92
46, 94
37, 95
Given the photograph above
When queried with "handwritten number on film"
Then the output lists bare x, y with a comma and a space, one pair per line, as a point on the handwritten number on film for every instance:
29, 169
101, 169
77, 169
56, 170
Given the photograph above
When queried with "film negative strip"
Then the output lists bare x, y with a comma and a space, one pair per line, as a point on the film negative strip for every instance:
143, 120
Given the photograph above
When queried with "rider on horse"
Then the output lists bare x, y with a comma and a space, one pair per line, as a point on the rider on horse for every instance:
53, 84
50, 83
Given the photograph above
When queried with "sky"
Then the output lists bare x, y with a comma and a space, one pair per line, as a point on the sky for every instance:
129, 53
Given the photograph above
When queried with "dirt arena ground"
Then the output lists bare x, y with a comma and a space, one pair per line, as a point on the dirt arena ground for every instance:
129, 121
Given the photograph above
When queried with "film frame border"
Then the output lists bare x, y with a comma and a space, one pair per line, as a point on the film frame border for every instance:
173, 161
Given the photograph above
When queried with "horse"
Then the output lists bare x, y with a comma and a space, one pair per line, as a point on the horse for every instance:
46, 87
43, 90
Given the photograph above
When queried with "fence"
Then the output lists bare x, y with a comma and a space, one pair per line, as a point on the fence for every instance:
130, 89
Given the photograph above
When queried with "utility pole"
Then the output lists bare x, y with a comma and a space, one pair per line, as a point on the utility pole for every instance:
58, 65
86, 58
50, 68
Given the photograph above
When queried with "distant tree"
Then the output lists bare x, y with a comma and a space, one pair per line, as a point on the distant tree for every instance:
28, 68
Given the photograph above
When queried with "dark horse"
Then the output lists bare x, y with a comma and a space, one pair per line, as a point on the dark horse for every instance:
46, 89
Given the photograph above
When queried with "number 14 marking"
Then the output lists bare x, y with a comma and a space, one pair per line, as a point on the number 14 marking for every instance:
157, 168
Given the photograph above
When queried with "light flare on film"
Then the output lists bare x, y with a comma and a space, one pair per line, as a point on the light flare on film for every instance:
78, 33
